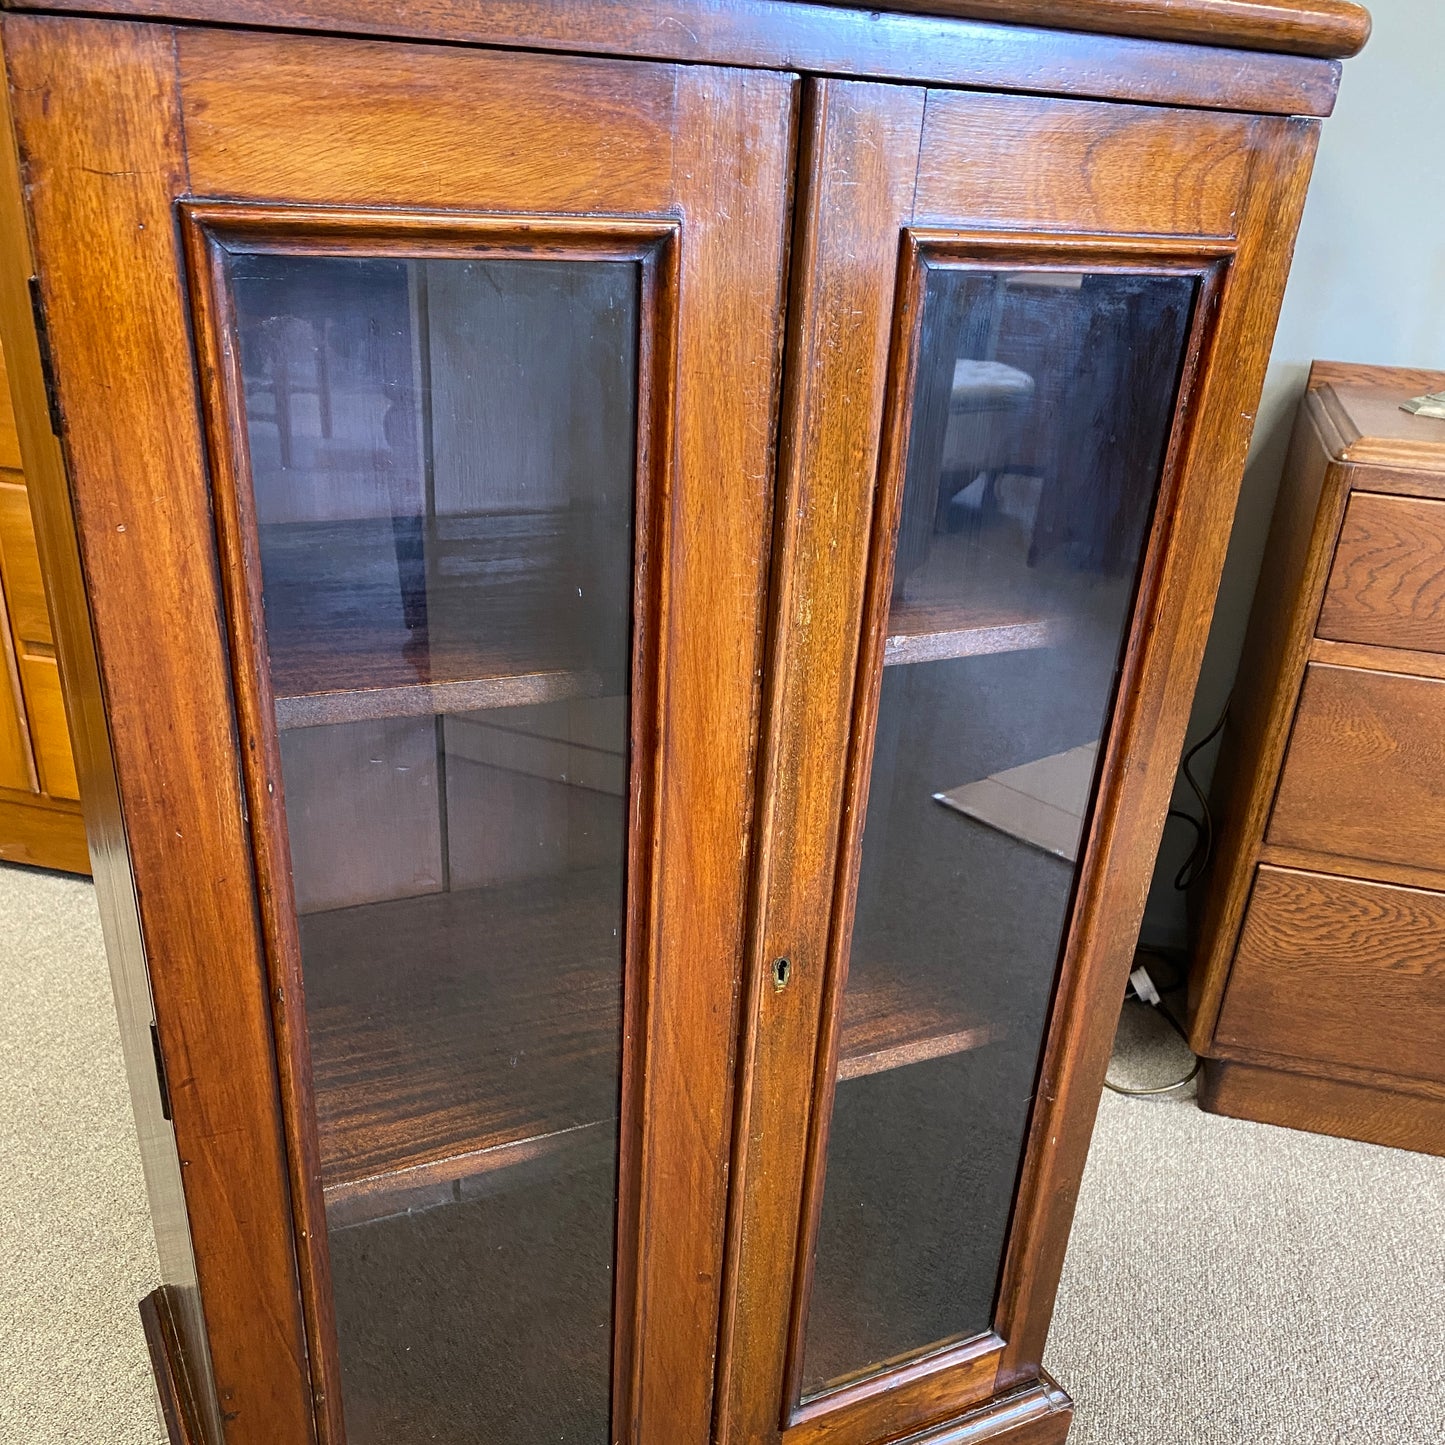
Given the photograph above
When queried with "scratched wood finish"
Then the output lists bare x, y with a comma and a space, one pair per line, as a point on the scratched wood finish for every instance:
1337, 971
1387, 586
1394, 1118
1365, 772
829, 39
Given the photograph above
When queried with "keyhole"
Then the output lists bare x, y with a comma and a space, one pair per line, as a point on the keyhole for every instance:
782, 972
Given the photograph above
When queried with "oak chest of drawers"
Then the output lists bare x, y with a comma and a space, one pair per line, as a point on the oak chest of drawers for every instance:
1318, 988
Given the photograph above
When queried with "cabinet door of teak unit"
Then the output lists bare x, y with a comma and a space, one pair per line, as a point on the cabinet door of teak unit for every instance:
1007, 426
647, 614
420, 408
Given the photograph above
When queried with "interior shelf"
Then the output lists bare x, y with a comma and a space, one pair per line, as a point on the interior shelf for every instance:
937, 631
455, 1034
383, 617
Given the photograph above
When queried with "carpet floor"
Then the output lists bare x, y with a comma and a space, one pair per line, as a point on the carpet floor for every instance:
1227, 1283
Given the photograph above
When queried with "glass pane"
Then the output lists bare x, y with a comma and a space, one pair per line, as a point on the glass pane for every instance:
1040, 419
443, 456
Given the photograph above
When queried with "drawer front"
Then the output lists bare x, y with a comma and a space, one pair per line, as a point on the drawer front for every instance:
1365, 773
1339, 971
1387, 586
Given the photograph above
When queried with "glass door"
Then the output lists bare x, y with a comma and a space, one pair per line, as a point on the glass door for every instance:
993, 560
1039, 419
463, 588
442, 461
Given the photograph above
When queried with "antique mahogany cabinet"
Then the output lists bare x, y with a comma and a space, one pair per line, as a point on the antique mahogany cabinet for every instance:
629, 576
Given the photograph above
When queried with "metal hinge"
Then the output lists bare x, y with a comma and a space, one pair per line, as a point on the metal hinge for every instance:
165, 1088
47, 367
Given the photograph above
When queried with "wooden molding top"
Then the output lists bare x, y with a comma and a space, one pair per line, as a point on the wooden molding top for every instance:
1334, 29
1358, 410
1325, 29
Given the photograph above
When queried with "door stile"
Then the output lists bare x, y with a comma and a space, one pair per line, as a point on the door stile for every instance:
858, 143
98, 117
1159, 674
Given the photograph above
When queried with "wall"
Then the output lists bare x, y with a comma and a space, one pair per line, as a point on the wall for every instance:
1368, 285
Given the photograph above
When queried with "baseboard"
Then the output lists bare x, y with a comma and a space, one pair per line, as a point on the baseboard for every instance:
168, 1361
1318, 1105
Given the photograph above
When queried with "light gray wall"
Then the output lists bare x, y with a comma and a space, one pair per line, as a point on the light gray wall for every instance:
1368, 285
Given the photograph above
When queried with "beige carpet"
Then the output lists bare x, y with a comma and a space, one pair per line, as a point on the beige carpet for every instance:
1228, 1283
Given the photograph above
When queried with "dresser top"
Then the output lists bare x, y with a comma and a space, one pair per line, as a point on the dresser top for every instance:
1360, 417
1327, 29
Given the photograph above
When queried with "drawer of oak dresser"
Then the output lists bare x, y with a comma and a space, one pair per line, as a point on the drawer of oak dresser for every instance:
1364, 776
1340, 971
1387, 583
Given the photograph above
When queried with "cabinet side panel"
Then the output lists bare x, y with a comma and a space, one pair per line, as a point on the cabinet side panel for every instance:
90, 735
1160, 669
1287, 598
97, 122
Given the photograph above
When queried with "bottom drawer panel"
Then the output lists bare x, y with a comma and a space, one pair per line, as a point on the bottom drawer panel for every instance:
1340, 971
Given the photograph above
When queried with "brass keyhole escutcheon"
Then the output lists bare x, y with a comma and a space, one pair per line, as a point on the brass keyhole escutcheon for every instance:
782, 972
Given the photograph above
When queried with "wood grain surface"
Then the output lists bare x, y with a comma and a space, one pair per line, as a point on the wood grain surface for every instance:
1344, 1109
97, 118
1365, 772
1114, 57
1310, 504
1387, 586
1070, 165
1338, 971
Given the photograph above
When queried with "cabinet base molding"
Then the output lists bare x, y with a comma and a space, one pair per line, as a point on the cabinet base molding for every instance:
1390, 1117
43, 835
168, 1362
1037, 1413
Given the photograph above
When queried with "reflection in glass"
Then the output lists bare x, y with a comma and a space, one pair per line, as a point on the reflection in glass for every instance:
442, 457
1039, 424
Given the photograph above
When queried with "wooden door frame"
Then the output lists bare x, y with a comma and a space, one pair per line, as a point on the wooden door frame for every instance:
875, 193
118, 123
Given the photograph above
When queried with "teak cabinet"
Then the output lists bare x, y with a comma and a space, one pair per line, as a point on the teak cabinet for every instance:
1317, 989
40, 822
646, 565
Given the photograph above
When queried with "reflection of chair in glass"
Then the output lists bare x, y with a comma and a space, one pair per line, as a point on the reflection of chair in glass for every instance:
285, 346
988, 411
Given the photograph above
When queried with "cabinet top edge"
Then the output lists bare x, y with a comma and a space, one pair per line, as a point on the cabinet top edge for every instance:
1327, 29
1359, 409
1318, 29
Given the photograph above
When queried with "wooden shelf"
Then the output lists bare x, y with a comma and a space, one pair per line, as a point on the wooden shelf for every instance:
935, 632
494, 619
456, 1034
